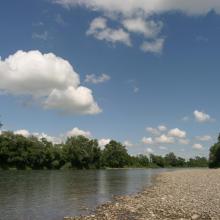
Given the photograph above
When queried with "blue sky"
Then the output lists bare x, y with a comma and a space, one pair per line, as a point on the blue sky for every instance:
146, 65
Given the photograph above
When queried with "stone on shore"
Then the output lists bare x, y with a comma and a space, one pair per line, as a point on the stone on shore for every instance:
192, 194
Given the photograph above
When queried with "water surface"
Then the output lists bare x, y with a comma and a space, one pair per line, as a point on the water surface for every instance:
51, 195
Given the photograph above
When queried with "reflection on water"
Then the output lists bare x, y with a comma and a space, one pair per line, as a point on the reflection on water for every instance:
51, 195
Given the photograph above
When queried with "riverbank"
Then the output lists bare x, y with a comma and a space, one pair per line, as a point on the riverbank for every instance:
183, 194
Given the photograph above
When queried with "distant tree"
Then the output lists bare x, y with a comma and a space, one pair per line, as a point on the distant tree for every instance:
198, 162
157, 160
170, 160
214, 155
115, 155
82, 152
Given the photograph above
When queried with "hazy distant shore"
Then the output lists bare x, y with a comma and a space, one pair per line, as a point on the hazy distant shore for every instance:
183, 194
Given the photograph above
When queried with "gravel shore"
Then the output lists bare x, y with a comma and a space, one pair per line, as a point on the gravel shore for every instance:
183, 194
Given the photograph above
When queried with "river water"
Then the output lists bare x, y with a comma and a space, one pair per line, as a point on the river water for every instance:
51, 195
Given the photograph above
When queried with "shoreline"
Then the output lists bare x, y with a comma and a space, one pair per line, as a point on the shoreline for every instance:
181, 194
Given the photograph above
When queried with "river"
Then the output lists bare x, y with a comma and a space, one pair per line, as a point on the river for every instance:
51, 195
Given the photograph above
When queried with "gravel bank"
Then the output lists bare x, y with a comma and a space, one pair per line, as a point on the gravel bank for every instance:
184, 194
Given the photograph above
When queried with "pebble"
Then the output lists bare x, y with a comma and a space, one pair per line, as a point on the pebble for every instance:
189, 194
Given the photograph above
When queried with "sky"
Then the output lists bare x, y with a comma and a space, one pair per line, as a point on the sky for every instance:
145, 73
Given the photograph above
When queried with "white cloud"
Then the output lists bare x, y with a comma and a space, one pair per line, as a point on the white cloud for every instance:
26, 133
198, 146
148, 140
164, 139
138, 16
145, 7
128, 143
202, 116
102, 142
162, 127
54, 140
153, 131
155, 46
176, 132
92, 78
76, 132
150, 29
99, 29
49, 80
184, 141
204, 138
72, 101
23, 132
149, 150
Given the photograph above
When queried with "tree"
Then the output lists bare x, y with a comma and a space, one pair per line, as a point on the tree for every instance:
171, 160
157, 160
214, 155
115, 155
82, 152
198, 162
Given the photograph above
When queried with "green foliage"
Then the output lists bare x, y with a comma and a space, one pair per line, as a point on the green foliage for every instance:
115, 155
19, 152
214, 155
173, 161
82, 152
157, 161
198, 162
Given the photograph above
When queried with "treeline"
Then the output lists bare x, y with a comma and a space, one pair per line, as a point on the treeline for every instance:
17, 151
214, 155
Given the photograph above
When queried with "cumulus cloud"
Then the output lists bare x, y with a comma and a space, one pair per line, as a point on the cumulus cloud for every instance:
26, 133
76, 132
103, 142
48, 79
149, 150
139, 16
148, 140
162, 128
128, 143
99, 29
146, 7
176, 132
55, 140
156, 131
23, 132
198, 146
72, 100
155, 46
149, 29
184, 141
92, 78
164, 139
204, 138
202, 116
153, 131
